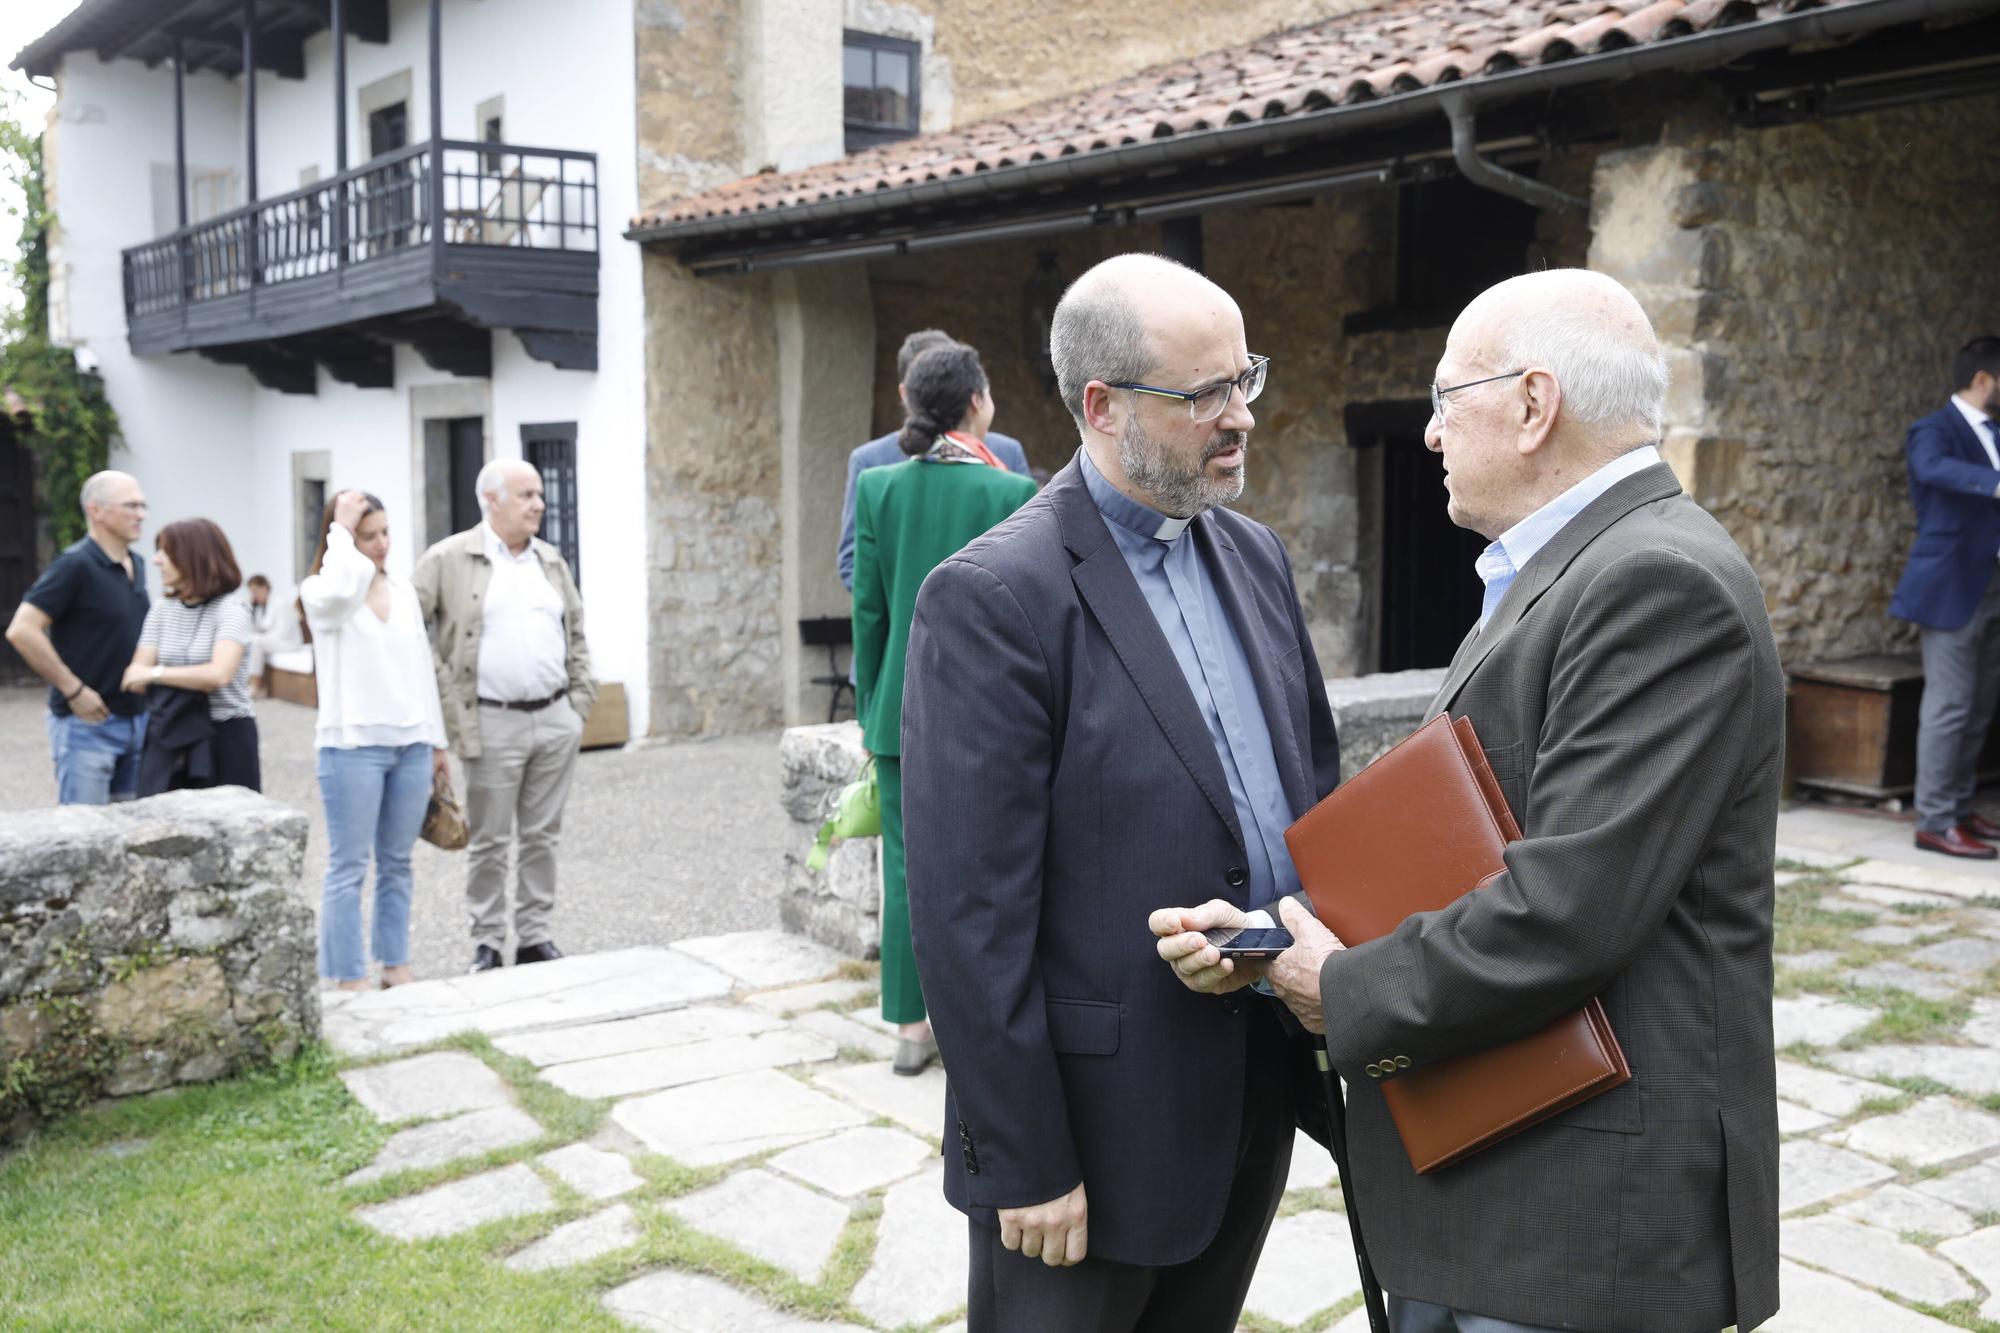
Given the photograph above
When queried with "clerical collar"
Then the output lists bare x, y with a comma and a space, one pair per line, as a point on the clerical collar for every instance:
1127, 513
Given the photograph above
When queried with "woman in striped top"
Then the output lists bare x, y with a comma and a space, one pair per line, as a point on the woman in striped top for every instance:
196, 638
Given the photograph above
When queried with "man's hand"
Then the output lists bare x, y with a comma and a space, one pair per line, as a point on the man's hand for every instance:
1054, 1232
440, 765
1199, 964
88, 706
349, 507
1294, 974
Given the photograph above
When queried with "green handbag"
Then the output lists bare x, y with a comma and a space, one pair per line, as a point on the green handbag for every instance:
857, 813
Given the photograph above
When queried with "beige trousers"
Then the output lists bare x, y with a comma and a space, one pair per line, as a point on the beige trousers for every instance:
515, 792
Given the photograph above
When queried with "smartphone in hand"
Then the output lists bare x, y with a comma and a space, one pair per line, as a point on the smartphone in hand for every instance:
1249, 941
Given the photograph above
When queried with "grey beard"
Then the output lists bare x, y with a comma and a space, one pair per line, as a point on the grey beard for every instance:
1178, 491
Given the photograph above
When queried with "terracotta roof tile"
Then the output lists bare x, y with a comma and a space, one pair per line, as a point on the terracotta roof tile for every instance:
1395, 47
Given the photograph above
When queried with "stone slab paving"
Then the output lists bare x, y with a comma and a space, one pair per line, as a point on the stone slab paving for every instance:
1307, 1266
1979, 1255
790, 1000
1922, 982
921, 1261
450, 1140
1812, 960
423, 1086
512, 1191
592, 1172
857, 1161
1873, 1257
1968, 957
1902, 1210
704, 1124
695, 1062
1936, 1129
1922, 878
1830, 1094
1796, 1119
1984, 1025
1976, 1189
586, 1238
770, 1218
672, 1302
564, 993
1817, 1020
1811, 1172
676, 1027
1312, 1165
847, 1034
1900, 935
1817, 1302
915, 1103
1972, 1070
1882, 896
759, 959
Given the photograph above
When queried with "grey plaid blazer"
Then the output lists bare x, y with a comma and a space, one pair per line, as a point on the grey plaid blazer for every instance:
1628, 694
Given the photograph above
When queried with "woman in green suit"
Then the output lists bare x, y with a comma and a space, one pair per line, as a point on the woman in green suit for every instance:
908, 519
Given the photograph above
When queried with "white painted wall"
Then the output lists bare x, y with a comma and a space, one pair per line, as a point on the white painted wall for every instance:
207, 440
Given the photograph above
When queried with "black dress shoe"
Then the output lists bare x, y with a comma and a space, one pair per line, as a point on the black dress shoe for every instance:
545, 952
485, 958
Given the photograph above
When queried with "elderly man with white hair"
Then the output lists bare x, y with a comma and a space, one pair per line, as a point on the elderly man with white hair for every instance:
514, 676
1624, 684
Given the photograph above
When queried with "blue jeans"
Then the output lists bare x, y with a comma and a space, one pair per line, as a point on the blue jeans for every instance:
375, 798
96, 763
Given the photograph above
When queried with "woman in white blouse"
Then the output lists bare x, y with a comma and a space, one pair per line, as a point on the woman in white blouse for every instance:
380, 736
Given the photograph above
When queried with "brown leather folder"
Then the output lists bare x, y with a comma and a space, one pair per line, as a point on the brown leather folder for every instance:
1411, 832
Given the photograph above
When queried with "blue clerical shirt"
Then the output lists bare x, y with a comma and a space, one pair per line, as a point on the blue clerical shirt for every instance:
1180, 590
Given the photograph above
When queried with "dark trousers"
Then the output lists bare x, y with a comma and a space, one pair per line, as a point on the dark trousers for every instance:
1009, 1293
1961, 688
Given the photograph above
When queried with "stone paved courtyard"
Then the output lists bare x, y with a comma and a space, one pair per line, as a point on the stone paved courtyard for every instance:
756, 1166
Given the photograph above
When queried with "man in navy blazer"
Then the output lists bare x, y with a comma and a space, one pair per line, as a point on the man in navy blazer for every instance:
1111, 704
1949, 591
885, 451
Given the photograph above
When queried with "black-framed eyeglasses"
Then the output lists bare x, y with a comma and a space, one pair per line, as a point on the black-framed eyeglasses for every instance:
1438, 395
1209, 403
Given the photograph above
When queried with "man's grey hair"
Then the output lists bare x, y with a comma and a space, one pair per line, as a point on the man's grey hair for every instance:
492, 480
1097, 334
1606, 378
97, 489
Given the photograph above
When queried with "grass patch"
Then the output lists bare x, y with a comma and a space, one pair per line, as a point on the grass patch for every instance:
229, 1214
1960, 1314
1907, 1018
564, 1116
1801, 925
858, 969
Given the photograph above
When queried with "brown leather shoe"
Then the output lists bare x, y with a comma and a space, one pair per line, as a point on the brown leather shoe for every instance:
1977, 826
1955, 842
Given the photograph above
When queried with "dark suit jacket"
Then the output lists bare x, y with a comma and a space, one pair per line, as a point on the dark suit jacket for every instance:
1058, 785
1952, 485
883, 451
1628, 694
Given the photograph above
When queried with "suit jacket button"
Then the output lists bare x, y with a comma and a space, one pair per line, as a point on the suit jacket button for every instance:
1237, 877
1374, 1071
1402, 1062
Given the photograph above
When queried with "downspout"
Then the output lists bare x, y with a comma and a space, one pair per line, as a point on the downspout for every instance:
1465, 152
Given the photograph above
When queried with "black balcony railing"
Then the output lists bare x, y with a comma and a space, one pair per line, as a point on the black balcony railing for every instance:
488, 194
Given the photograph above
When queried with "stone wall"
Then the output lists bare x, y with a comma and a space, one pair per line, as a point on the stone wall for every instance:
146, 944
1811, 283
840, 906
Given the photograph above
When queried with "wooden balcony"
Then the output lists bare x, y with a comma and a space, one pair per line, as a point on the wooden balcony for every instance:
434, 245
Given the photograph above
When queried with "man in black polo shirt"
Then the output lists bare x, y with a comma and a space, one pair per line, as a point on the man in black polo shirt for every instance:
77, 627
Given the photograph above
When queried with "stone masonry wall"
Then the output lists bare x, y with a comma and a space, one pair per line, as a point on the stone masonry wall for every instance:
840, 906
1810, 283
146, 944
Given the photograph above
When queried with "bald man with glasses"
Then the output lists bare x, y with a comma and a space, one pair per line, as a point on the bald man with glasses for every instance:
1111, 703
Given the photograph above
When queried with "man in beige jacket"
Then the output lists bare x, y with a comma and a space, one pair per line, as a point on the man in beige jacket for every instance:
514, 676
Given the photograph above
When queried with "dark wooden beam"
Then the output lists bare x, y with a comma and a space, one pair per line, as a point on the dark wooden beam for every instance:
367, 20
283, 54
271, 364
450, 346
563, 350
351, 358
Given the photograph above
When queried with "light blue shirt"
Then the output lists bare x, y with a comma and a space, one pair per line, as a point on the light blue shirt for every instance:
1181, 593
1513, 549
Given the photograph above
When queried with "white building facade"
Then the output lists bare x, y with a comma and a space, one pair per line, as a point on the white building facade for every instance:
460, 293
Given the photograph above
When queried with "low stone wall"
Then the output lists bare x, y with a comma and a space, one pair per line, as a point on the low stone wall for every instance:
146, 944
841, 906
1372, 713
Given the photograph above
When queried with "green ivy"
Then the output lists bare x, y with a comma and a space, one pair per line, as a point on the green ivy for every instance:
70, 426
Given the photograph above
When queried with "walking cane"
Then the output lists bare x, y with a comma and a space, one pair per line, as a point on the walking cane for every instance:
1336, 1125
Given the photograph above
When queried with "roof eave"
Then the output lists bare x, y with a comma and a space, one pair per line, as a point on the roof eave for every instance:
1697, 51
